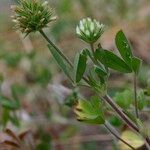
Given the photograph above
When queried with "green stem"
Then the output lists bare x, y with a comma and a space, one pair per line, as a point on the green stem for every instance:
58, 50
92, 57
117, 136
135, 96
92, 47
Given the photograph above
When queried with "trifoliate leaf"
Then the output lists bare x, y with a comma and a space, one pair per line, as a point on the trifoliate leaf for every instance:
90, 111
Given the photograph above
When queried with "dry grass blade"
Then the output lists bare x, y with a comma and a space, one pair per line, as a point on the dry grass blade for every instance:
23, 135
10, 133
11, 143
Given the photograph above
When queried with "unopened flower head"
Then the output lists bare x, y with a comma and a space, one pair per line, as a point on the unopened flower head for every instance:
32, 15
89, 30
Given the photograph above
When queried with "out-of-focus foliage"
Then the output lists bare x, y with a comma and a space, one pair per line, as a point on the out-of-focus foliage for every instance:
132, 138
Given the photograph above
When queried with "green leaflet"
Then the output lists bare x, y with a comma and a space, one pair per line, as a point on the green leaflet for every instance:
124, 47
136, 64
71, 100
126, 52
5, 116
141, 99
115, 121
100, 72
80, 65
9, 104
112, 61
90, 111
63, 64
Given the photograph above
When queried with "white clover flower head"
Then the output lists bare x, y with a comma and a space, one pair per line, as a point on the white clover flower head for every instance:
89, 30
77, 30
45, 3
32, 15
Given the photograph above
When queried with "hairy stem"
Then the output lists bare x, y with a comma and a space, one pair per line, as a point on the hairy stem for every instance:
120, 112
117, 136
123, 116
135, 96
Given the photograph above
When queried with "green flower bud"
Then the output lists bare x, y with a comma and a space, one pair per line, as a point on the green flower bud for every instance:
32, 15
89, 30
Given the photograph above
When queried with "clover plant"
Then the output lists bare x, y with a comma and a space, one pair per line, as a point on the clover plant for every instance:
35, 15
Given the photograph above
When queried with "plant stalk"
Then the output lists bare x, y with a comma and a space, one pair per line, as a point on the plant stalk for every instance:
135, 96
123, 116
120, 112
117, 136
92, 47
